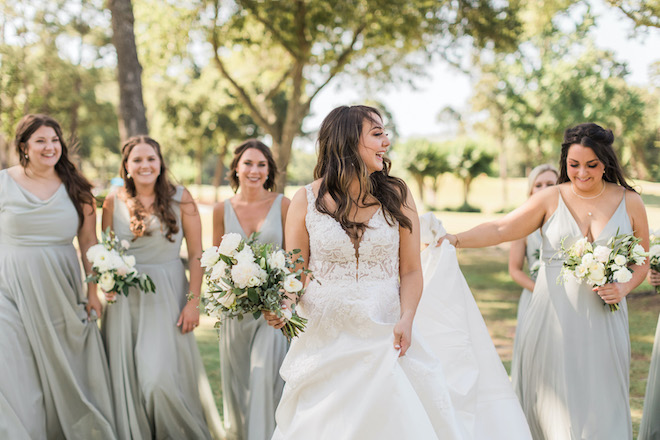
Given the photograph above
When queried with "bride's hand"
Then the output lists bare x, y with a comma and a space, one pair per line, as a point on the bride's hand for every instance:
403, 334
451, 238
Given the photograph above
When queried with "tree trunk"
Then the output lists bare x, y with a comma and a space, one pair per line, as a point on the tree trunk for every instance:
466, 190
219, 172
132, 114
419, 179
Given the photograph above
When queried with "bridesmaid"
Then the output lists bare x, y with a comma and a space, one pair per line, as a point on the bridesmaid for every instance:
159, 383
251, 352
650, 427
572, 372
541, 177
54, 380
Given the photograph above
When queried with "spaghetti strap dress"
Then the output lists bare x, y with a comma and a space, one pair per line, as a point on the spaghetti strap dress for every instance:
159, 383
251, 353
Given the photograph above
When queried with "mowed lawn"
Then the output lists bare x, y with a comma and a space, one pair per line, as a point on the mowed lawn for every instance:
486, 272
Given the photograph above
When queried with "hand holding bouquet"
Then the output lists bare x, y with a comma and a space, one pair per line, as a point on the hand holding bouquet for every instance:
654, 255
114, 271
248, 277
602, 264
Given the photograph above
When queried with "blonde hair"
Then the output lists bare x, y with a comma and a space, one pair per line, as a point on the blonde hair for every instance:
536, 172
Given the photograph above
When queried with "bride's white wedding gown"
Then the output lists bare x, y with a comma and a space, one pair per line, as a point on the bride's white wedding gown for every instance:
344, 379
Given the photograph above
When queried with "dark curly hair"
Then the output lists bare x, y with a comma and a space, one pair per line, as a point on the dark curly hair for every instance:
77, 186
600, 141
340, 164
164, 190
269, 184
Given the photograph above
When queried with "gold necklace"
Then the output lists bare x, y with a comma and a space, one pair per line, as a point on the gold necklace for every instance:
589, 198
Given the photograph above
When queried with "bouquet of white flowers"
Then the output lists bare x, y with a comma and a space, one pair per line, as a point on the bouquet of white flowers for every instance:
248, 277
654, 255
114, 271
602, 264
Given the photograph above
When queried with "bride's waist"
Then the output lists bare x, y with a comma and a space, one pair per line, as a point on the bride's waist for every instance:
354, 282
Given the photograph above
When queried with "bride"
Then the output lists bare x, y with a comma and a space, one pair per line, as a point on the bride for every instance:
360, 370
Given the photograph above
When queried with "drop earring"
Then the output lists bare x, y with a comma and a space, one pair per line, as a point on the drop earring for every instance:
128, 175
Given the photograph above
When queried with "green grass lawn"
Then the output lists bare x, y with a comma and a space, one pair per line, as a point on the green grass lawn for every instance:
487, 274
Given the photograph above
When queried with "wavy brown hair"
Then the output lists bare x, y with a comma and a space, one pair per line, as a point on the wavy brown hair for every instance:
339, 165
77, 186
600, 141
164, 190
269, 184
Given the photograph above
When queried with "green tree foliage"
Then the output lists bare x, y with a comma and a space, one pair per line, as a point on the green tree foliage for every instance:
294, 49
645, 13
556, 80
469, 161
425, 162
51, 62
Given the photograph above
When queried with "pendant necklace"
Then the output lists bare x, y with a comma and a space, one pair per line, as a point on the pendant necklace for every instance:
589, 198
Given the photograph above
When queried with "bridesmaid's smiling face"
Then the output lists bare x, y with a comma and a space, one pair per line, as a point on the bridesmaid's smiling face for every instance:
43, 148
584, 168
252, 169
373, 144
143, 164
544, 180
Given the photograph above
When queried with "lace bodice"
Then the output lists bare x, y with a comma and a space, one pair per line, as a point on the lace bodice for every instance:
332, 256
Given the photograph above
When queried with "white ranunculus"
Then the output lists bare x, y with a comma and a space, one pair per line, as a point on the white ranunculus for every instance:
597, 271
254, 281
639, 254
241, 274
620, 260
245, 256
219, 271
103, 261
277, 260
129, 260
581, 246
229, 244
602, 253
106, 281
588, 259
228, 300
115, 261
581, 271
94, 251
209, 257
292, 284
622, 275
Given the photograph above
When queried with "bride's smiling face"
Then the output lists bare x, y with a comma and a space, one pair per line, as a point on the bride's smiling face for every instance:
373, 144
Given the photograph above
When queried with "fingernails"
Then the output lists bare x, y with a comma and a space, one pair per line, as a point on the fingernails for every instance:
397, 347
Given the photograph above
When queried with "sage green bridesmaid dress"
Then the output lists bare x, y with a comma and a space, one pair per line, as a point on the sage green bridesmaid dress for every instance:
251, 353
572, 370
159, 384
650, 427
54, 381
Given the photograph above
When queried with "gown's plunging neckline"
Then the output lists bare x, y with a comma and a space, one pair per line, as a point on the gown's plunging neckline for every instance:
577, 225
263, 222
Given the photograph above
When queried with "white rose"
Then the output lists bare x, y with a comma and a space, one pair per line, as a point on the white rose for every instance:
292, 284
602, 253
655, 250
254, 281
228, 300
106, 281
241, 274
94, 251
622, 275
245, 256
229, 244
219, 271
115, 260
597, 271
620, 260
210, 257
587, 259
639, 254
277, 260
125, 244
122, 270
286, 313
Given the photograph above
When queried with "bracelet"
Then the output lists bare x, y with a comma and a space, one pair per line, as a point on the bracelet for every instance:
192, 296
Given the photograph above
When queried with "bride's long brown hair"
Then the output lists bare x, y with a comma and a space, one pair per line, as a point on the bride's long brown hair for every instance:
164, 190
339, 165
